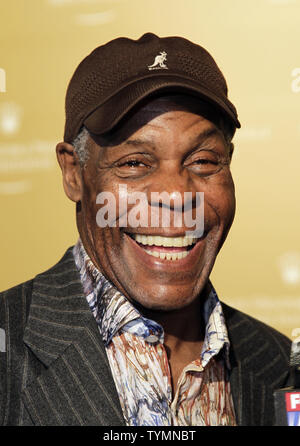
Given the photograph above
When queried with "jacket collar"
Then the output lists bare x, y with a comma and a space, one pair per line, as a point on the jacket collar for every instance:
62, 333
257, 368
76, 386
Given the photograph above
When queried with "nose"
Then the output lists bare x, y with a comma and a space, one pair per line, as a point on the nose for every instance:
175, 201
174, 182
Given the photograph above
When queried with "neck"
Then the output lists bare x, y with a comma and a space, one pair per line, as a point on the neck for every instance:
184, 332
184, 325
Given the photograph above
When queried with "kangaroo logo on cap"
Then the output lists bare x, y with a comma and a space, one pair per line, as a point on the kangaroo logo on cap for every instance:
159, 62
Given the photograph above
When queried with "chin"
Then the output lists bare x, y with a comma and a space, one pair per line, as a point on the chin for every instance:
166, 298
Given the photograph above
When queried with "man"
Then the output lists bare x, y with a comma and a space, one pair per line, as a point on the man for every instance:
127, 327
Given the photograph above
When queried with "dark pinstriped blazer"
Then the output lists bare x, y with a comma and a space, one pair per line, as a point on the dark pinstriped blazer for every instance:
54, 369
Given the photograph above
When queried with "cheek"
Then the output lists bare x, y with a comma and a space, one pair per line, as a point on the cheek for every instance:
96, 184
219, 196
100, 212
89, 210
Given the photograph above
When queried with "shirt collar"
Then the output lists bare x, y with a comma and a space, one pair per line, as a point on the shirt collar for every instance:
216, 335
113, 311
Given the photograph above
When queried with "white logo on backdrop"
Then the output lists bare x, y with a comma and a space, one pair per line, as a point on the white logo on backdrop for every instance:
20, 158
2, 81
10, 118
289, 265
296, 81
283, 2
95, 18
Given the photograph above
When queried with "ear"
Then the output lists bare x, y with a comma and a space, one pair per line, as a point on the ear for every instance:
71, 170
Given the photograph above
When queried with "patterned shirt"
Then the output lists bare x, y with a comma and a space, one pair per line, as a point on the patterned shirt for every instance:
139, 362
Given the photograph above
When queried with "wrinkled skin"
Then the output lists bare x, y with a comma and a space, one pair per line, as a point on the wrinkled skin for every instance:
163, 146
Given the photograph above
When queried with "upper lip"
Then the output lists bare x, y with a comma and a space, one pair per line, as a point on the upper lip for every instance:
159, 232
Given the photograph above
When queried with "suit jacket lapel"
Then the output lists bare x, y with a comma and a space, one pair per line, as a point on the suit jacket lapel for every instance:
76, 386
255, 372
249, 395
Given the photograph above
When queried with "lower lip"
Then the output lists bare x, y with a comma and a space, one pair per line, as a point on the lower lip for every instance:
156, 263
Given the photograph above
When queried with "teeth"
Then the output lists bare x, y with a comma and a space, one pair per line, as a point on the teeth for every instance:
167, 255
169, 242
158, 240
150, 240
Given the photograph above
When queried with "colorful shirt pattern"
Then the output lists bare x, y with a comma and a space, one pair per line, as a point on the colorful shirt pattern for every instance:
139, 363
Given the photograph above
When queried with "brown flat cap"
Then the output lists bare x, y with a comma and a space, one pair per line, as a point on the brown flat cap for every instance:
111, 80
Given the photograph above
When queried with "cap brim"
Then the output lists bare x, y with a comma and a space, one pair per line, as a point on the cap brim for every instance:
108, 114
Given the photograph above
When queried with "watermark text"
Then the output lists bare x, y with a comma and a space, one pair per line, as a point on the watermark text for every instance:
134, 209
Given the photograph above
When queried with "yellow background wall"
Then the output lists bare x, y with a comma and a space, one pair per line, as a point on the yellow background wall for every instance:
256, 43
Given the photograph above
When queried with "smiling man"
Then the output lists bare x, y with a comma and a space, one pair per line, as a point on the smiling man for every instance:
127, 328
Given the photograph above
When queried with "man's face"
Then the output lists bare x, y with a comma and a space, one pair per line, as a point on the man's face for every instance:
162, 147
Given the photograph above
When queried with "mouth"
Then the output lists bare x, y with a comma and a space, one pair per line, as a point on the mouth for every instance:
171, 249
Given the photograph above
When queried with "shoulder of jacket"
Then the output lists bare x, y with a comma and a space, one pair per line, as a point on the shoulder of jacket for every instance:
13, 296
241, 325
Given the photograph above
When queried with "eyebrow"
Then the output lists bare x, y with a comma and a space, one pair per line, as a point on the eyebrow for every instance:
206, 134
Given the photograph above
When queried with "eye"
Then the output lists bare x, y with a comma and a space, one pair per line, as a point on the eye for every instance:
204, 163
132, 163
204, 166
133, 166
